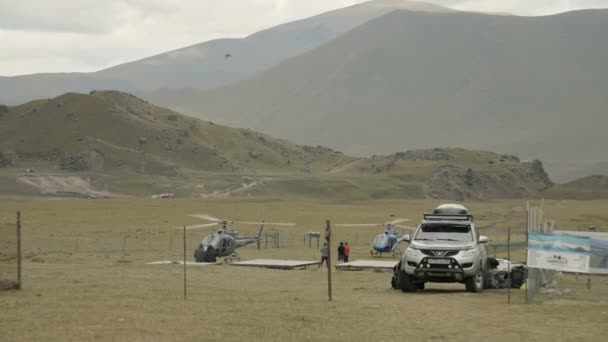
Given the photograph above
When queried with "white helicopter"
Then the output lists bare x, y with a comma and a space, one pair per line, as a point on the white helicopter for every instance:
226, 241
389, 240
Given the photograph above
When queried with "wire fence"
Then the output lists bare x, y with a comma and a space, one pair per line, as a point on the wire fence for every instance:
147, 245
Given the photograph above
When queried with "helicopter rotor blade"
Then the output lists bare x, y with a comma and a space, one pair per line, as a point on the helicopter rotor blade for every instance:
199, 226
205, 217
405, 227
268, 223
398, 220
356, 225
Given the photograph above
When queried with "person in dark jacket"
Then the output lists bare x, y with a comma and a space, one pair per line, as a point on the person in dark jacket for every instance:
341, 251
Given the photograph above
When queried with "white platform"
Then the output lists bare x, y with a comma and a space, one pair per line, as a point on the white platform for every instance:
175, 262
368, 265
276, 263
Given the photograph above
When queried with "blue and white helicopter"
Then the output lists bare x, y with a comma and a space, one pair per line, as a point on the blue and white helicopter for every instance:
388, 241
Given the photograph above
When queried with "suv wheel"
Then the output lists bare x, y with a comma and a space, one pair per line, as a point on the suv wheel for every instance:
476, 282
405, 282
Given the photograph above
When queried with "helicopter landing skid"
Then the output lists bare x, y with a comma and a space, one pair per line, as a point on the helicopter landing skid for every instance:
232, 257
395, 253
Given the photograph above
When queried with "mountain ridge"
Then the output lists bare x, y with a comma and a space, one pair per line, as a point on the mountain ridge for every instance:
203, 65
514, 81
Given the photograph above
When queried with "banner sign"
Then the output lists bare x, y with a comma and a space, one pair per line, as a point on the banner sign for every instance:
559, 252
598, 255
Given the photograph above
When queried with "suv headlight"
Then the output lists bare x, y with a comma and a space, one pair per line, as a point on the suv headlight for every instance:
471, 252
412, 252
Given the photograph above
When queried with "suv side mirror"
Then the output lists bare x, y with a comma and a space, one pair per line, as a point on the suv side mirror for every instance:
483, 239
406, 237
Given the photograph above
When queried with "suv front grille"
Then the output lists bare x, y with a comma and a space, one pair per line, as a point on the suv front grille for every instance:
431, 252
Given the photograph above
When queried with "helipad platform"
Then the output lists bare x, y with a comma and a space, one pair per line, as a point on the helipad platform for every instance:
276, 263
181, 262
367, 265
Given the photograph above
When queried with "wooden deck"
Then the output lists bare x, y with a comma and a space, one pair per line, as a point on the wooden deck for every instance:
181, 262
367, 265
276, 263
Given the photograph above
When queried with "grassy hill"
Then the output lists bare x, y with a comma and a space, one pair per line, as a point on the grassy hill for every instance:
530, 86
117, 131
204, 65
591, 187
110, 143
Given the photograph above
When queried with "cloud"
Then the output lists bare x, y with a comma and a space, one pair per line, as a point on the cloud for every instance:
522, 7
88, 35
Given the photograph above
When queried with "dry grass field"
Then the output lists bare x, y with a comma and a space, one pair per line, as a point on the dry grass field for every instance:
86, 278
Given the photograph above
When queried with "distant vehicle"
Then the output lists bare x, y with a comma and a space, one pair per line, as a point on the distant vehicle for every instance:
225, 242
163, 196
445, 248
388, 241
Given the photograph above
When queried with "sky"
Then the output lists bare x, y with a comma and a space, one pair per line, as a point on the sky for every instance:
89, 35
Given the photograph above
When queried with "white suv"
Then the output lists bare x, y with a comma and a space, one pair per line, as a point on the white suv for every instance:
446, 248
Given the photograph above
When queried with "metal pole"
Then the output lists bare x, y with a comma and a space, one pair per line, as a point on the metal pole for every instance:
509, 264
185, 294
328, 237
527, 232
19, 249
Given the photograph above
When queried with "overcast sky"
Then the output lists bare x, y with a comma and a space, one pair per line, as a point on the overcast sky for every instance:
88, 35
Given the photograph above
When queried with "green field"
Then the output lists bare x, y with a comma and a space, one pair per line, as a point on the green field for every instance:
85, 277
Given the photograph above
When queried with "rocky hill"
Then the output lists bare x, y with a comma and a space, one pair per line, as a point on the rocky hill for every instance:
462, 174
110, 144
108, 130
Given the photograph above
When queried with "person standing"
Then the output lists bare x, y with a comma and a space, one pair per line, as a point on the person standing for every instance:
341, 251
346, 252
324, 252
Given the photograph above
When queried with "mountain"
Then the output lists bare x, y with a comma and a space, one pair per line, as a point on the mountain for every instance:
530, 86
205, 65
109, 143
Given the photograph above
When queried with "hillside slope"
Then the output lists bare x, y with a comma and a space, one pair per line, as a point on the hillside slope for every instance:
592, 187
113, 144
204, 65
531, 86
109, 130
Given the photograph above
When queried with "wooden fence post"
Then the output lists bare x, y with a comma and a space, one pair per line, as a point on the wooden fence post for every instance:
328, 238
19, 249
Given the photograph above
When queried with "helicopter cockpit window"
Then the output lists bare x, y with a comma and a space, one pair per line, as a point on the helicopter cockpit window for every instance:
381, 239
216, 242
207, 240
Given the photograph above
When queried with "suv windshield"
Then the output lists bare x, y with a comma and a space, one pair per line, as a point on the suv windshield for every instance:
445, 232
